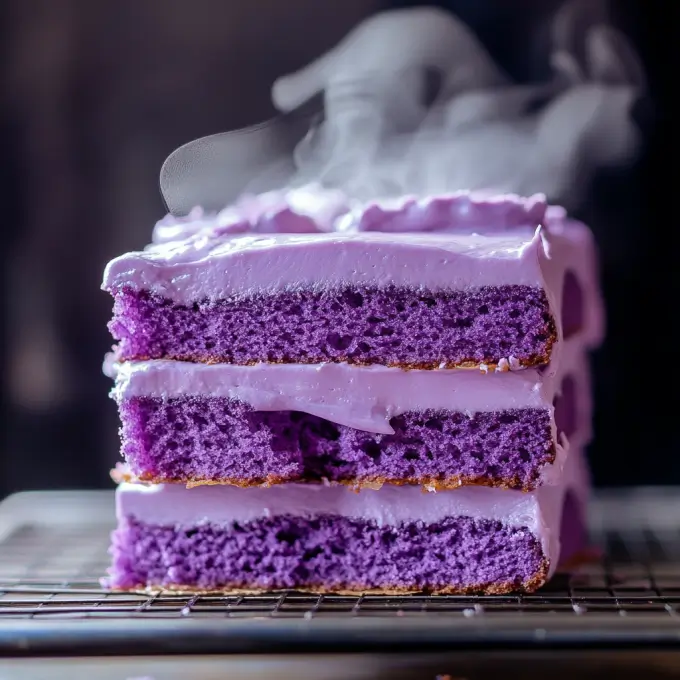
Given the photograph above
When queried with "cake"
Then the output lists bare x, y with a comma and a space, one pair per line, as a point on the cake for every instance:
363, 393
370, 292
360, 426
331, 539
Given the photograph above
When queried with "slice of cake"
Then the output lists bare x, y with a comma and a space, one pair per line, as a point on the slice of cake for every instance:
438, 283
362, 426
330, 539
421, 352
198, 422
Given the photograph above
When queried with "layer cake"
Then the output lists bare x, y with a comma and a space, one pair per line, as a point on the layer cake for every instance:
431, 354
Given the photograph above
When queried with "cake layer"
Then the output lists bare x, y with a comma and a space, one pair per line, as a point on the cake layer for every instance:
362, 426
303, 537
366, 293
212, 440
392, 327
329, 554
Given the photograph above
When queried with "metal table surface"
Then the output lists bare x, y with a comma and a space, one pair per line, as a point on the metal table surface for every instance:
621, 611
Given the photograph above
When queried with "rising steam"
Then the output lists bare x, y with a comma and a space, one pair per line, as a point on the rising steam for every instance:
385, 134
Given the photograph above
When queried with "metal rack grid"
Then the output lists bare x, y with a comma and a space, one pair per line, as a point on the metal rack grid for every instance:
50, 569
619, 616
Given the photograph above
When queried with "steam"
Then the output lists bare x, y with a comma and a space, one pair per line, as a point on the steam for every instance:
384, 134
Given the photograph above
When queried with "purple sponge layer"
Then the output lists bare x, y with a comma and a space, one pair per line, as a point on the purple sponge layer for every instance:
329, 553
391, 326
210, 439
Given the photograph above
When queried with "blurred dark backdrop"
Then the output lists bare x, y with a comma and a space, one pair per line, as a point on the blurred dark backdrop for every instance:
95, 95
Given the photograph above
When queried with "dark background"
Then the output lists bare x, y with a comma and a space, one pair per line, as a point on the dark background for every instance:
95, 95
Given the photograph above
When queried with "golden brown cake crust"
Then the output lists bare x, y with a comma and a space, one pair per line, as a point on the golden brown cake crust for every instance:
427, 483
487, 365
528, 586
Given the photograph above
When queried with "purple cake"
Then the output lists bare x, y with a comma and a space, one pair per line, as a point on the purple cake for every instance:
330, 539
302, 344
361, 426
410, 286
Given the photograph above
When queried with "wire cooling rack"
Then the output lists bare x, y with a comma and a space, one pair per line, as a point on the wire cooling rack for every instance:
53, 550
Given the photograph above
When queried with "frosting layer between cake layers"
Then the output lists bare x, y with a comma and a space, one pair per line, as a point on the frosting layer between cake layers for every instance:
363, 426
318, 538
438, 298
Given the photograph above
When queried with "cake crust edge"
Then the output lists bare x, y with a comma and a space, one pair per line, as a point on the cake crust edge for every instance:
428, 484
529, 586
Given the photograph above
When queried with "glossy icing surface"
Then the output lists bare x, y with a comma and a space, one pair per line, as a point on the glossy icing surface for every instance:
453, 213
308, 209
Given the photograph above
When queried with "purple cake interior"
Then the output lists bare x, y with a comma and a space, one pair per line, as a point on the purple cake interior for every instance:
216, 439
330, 553
390, 326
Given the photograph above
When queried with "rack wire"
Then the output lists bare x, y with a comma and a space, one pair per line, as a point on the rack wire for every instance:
51, 569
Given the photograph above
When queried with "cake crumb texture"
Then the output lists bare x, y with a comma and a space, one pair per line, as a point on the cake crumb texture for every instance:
329, 554
213, 439
390, 326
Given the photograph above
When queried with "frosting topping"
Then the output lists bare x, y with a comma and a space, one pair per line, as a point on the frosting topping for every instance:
307, 210
213, 267
458, 212
312, 209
